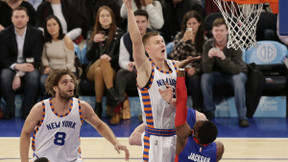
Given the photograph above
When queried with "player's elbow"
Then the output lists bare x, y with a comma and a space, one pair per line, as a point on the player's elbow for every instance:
134, 140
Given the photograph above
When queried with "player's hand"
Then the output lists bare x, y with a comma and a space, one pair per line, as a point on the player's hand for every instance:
119, 147
128, 3
167, 94
188, 60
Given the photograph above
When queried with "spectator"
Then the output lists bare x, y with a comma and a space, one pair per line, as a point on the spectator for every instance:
6, 8
103, 52
174, 11
152, 7
189, 42
126, 76
223, 65
114, 5
22, 46
58, 50
35, 3
71, 21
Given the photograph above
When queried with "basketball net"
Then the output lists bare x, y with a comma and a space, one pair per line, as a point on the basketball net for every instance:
241, 20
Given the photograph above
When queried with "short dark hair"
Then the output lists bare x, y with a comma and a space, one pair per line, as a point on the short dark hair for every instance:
149, 35
141, 13
218, 22
42, 159
207, 132
54, 77
19, 8
47, 36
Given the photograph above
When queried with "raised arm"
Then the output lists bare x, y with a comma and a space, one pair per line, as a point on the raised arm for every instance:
32, 120
141, 62
103, 129
182, 128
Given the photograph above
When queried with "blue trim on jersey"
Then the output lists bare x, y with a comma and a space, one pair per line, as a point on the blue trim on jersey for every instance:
160, 132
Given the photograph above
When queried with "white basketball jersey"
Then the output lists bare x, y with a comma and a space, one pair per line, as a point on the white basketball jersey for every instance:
57, 137
156, 112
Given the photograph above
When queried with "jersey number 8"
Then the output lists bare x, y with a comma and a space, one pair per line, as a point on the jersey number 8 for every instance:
60, 138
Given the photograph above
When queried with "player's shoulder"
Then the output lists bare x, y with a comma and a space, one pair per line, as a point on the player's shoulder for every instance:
84, 105
37, 110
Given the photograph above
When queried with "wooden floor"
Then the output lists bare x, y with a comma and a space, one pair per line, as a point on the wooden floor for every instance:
98, 149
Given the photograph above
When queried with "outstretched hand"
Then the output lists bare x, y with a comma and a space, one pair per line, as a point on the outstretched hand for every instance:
119, 147
188, 60
167, 94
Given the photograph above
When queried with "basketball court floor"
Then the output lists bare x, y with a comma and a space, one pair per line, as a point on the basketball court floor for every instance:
264, 141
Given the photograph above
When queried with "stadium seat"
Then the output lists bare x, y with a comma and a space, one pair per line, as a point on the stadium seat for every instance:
268, 57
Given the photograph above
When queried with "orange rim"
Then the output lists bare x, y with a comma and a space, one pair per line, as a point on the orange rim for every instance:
273, 3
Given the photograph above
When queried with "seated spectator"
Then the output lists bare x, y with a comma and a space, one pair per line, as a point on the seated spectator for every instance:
152, 7
173, 12
189, 42
6, 8
114, 5
102, 53
126, 76
71, 20
58, 50
20, 58
223, 65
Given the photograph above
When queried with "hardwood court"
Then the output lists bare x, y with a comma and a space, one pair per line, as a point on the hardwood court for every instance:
98, 149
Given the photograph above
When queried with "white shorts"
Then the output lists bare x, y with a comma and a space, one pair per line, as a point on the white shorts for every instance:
161, 149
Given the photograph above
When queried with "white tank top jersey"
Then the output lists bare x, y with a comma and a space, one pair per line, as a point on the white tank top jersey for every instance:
57, 137
157, 113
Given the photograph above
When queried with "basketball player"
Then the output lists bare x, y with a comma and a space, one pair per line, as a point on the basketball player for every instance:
154, 73
196, 144
56, 123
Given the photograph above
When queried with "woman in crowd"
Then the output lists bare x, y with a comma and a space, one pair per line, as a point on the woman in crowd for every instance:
152, 7
189, 42
102, 53
58, 50
70, 19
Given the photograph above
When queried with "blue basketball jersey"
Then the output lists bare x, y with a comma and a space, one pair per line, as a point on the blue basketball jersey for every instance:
192, 150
